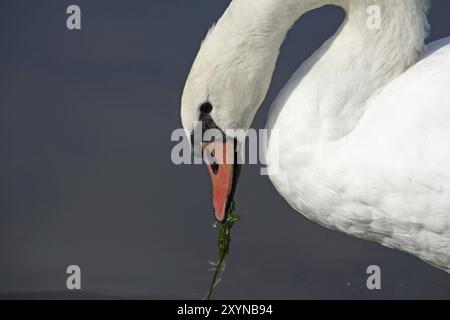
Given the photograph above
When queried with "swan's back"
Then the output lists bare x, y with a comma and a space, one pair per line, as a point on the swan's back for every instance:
389, 179
405, 136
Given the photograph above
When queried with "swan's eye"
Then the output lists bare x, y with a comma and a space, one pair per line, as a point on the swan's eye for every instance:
206, 108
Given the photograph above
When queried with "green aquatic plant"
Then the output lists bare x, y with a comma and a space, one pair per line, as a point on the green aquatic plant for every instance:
223, 245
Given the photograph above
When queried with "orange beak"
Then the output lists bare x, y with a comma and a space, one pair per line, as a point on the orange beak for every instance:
220, 158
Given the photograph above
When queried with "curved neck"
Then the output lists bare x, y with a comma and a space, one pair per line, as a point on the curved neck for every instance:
391, 31
378, 40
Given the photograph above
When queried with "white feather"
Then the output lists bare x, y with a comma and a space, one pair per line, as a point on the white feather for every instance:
364, 124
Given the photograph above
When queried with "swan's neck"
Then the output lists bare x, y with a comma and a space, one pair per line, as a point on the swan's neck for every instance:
335, 84
349, 68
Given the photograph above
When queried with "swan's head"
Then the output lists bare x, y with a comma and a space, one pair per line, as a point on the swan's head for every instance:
226, 85
230, 75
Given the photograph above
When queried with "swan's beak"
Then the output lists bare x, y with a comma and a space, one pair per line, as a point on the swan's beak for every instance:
221, 160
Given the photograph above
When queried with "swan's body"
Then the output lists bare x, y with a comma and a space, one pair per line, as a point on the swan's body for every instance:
388, 180
363, 125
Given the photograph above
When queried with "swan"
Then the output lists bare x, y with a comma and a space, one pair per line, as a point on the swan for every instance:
363, 124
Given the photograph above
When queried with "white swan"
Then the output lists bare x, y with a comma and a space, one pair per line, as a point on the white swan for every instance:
364, 124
